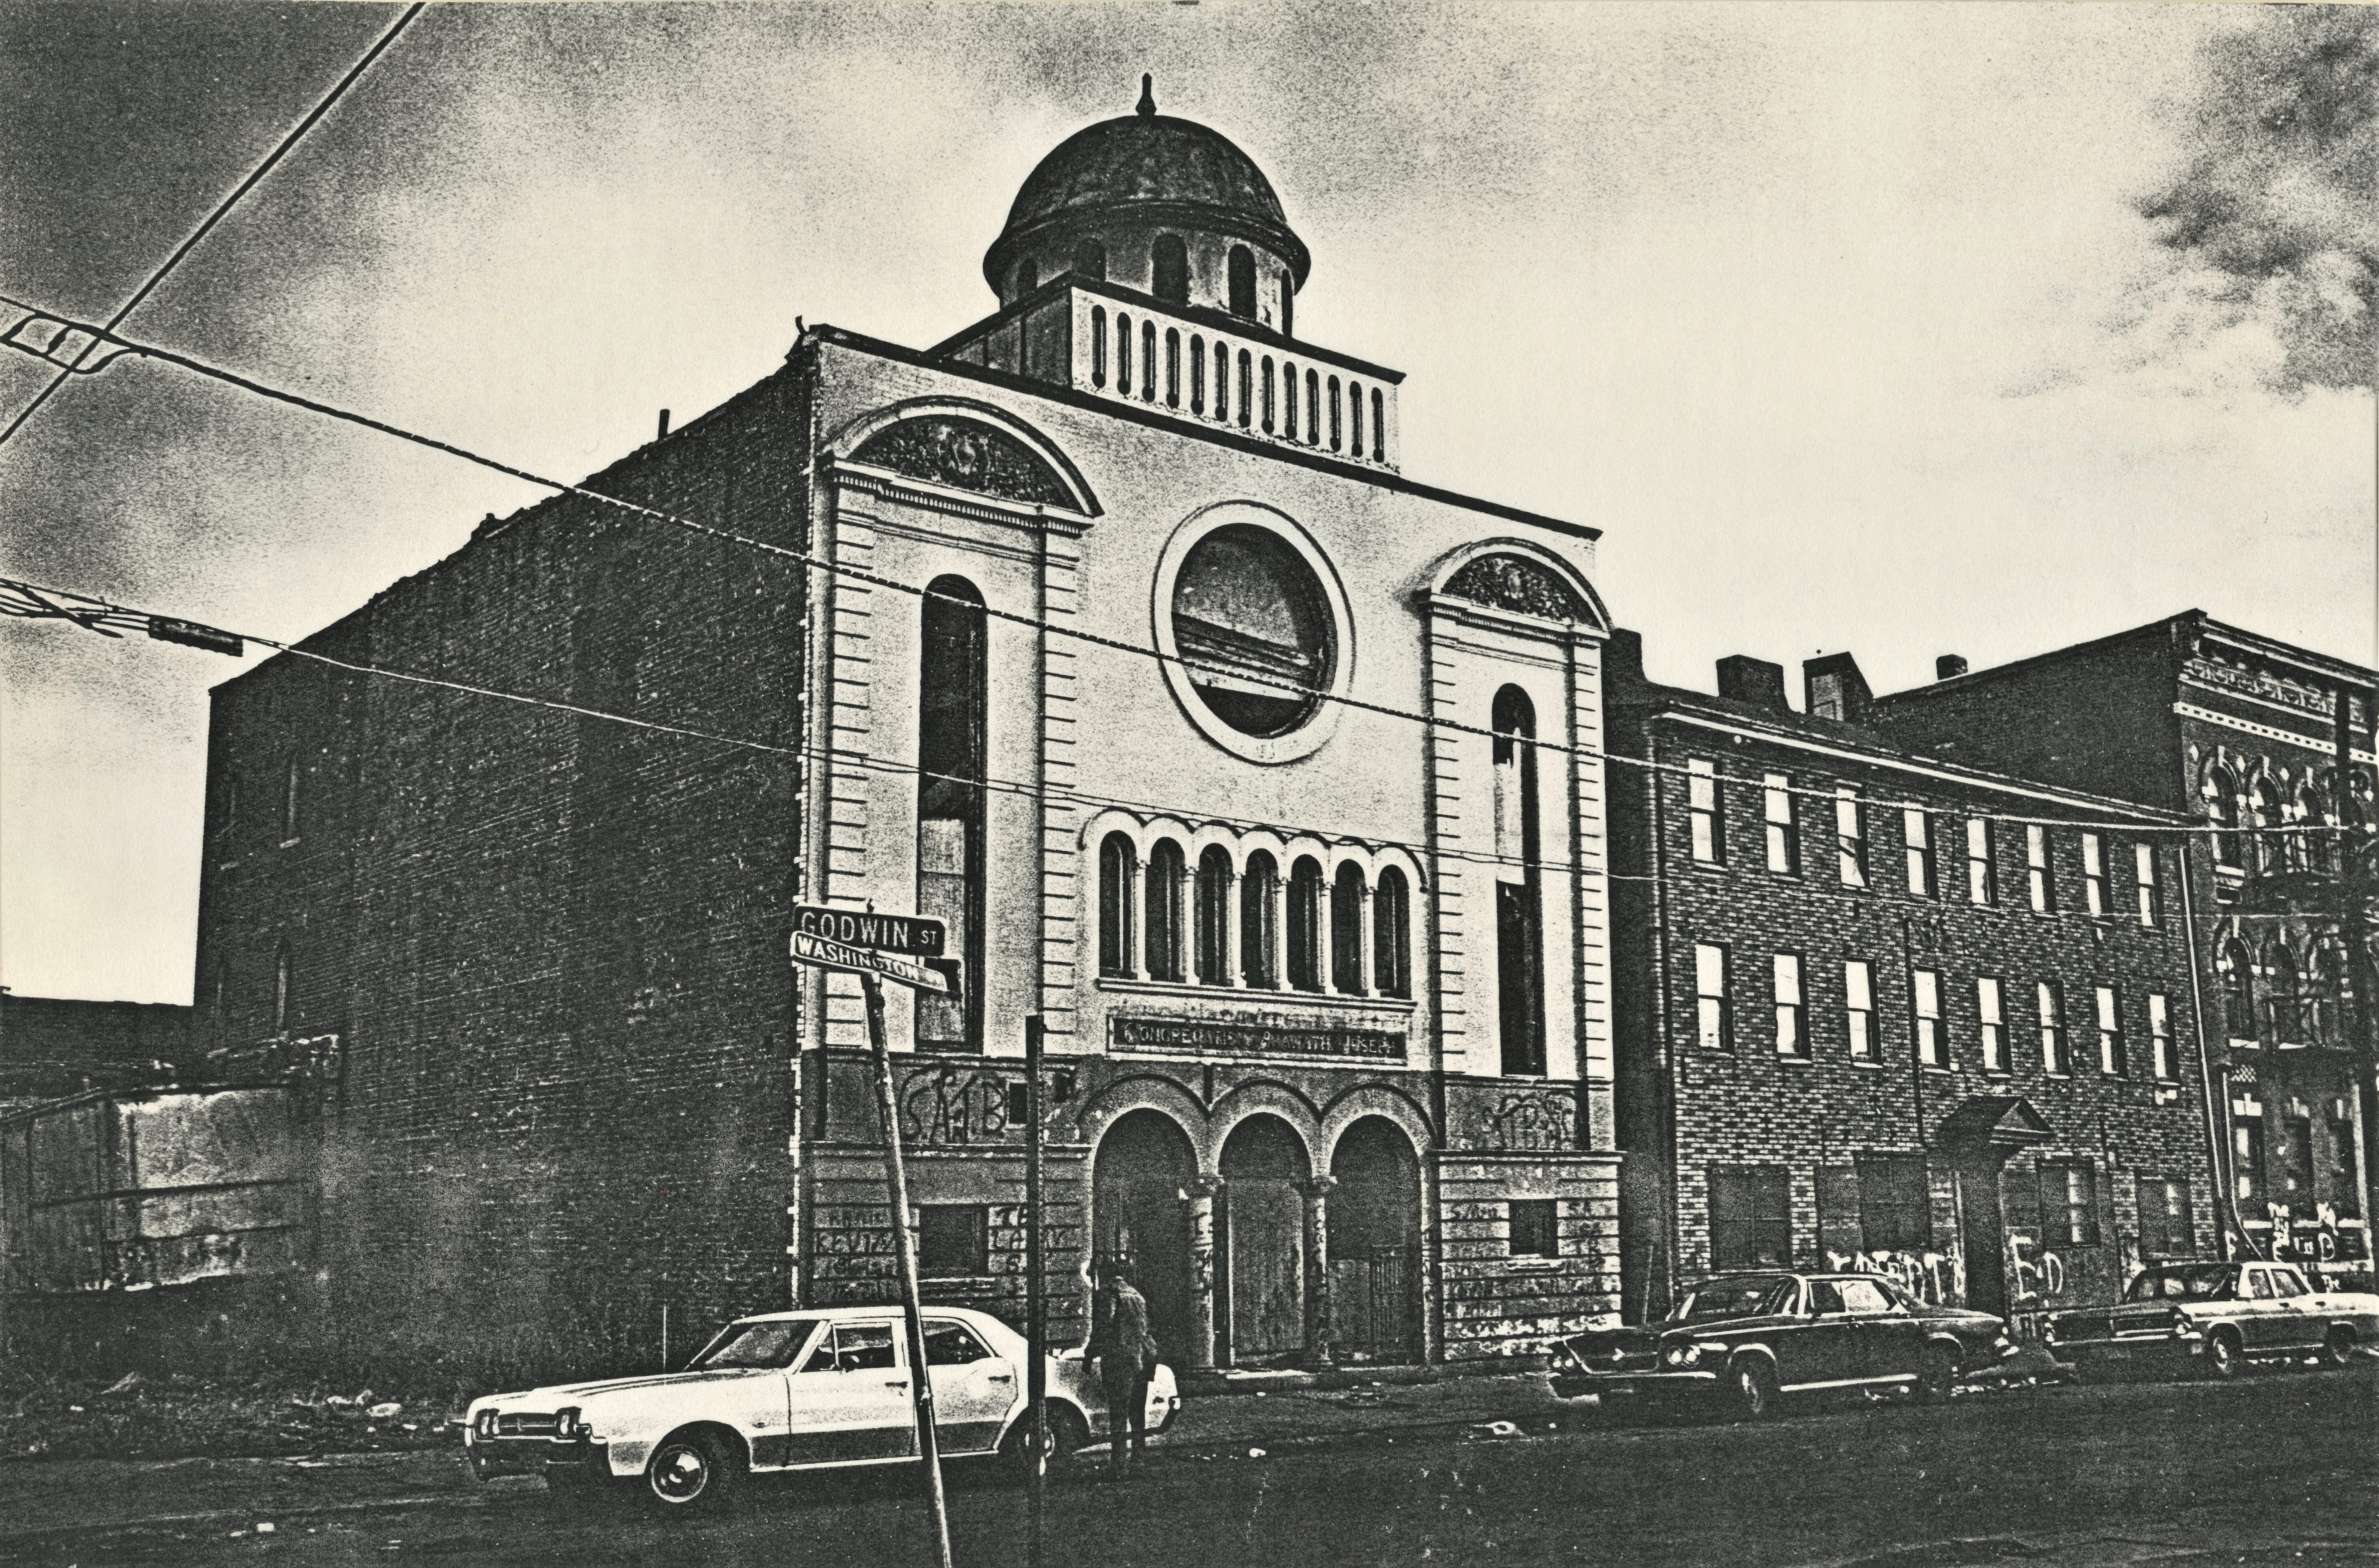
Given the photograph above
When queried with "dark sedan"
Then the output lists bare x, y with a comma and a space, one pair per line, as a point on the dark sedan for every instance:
1750, 1338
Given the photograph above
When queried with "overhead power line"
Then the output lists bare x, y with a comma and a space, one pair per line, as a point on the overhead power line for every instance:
2126, 813
222, 208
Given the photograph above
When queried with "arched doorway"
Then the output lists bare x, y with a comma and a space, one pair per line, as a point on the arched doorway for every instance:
1264, 1242
1139, 1213
1376, 1242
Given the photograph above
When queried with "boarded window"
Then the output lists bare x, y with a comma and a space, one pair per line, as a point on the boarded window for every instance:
953, 1240
1895, 1210
1750, 1217
1535, 1228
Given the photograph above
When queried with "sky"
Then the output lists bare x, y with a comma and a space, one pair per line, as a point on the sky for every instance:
1825, 315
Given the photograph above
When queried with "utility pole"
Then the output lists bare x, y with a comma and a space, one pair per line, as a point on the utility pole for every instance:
920, 1376
1036, 1327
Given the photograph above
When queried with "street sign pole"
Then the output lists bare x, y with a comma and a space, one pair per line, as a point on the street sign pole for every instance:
920, 1376
1036, 1330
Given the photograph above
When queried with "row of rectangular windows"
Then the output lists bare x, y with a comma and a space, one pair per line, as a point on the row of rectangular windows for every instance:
1707, 818
1714, 989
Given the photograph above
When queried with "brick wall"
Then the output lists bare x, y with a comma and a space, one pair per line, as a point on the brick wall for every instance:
551, 946
1495, 1305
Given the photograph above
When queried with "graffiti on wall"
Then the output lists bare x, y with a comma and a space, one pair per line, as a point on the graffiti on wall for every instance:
2036, 1277
1936, 1278
953, 1104
1528, 1121
2317, 1240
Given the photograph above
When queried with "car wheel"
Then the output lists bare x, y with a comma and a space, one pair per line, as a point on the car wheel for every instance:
1066, 1435
2224, 1356
1937, 1374
693, 1472
1755, 1387
2338, 1348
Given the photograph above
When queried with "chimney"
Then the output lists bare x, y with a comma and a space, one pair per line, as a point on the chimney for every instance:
1831, 687
1747, 680
1622, 660
1948, 667
664, 435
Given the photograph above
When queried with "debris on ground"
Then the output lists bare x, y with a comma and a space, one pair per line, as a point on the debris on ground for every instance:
49, 1415
1493, 1429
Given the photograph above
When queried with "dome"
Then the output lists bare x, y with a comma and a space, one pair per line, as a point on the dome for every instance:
1146, 169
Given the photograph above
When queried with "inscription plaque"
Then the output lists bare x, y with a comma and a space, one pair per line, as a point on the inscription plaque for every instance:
1251, 1037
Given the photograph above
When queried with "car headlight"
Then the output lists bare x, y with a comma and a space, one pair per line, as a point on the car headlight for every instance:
485, 1423
1682, 1355
566, 1423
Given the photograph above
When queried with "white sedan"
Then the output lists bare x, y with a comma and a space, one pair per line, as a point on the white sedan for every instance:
825, 1388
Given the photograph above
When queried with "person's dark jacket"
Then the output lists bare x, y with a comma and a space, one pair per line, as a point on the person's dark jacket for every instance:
1119, 1335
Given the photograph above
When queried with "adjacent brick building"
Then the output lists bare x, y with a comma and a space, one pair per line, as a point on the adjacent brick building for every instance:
1885, 1010
2268, 747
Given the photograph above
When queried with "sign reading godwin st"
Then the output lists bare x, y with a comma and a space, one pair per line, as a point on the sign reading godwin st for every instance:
899, 947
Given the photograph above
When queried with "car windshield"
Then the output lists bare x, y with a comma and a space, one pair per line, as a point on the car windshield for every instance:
2209, 1283
770, 1343
1734, 1298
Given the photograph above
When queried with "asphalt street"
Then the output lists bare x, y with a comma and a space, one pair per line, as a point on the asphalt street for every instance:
2278, 1468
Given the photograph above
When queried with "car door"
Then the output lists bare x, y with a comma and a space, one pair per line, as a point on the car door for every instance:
974, 1389
750, 1376
850, 1399
1888, 1340
2297, 1322
1820, 1345
2256, 1312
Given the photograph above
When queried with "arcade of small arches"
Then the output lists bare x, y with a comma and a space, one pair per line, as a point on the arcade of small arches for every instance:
1277, 1231
1168, 273
1251, 911
2288, 990
2247, 798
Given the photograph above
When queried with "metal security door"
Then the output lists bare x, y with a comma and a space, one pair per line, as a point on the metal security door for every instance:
1267, 1253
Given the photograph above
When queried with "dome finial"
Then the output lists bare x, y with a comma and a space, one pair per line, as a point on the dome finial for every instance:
1147, 93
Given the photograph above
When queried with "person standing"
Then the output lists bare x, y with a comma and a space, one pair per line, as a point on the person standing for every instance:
1127, 1357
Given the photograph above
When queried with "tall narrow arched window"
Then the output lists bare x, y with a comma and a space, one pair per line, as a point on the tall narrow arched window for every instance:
2263, 815
1379, 426
1354, 418
1165, 887
1305, 924
1313, 408
1392, 935
1212, 935
1287, 306
1346, 930
1098, 346
1196, 374
1335, 432
2309, 849
1090, 259
1172, 368
1269, 399
1222, 381
290, 821
1169, 262
281, 982
1519, 928
2220, 793
2283, 1002
1147, 360
1117, 861
1123, 355
953, 716
1288, 396
2236, 972
1241, 271
1260, 920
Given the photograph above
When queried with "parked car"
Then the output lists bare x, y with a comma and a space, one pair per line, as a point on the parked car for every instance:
2214, 1318
1749, 1338
792, 1390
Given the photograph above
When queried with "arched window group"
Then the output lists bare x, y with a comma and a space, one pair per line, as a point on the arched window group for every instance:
1243, 921
2284, 994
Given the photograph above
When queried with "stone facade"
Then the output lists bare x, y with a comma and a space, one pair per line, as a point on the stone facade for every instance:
2251, 738
1776, 1102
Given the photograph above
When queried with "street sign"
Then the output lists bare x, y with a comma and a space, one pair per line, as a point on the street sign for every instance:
935, 974
904, 935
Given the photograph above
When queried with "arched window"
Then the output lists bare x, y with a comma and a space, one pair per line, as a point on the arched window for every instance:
1354, 418
2311, 850
1213, 934
1172, 368
1196, 374
1243, 282
2326, 1006
2220, 793
1287, 306
2236, 972
1288, 398
1379, 426
1117, 859
1026, 279
1312, 409
280, 977
1260, 920
1305, 924
1123, 355
1222, 381
1392, 935
1091, 259
2263, 813
1169, 258
1147, 360
289, 819
1347, 931
1164, 918
2283, 1002
1244, 398
953, 715
1098, 346
1268, 392
1335, 432
1519, 936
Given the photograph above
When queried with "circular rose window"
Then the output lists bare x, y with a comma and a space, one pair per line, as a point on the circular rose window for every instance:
1251, 624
